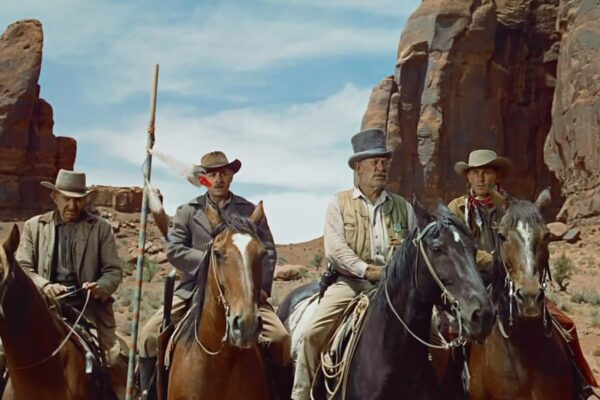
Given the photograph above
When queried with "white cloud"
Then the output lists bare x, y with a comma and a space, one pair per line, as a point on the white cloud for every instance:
391, 8
200, 52
303, 146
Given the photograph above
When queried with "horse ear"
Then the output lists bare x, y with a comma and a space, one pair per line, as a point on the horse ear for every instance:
11, 242
442, 208
423, 216
543, 199
213, 216
258, 214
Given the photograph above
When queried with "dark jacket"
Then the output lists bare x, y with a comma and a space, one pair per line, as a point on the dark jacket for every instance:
191, 233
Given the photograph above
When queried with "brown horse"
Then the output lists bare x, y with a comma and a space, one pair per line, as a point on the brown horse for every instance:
218, 357
524, 357
42, 363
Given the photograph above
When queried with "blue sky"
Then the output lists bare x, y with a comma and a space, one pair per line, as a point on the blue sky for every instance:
282, 85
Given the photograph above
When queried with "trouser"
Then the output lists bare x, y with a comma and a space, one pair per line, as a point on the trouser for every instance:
567, 323
102, 315
149, 334
330, 308
274, 336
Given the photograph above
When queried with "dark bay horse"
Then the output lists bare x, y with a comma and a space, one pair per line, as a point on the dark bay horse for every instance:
217, 357
42, 365
435, 262
524, 357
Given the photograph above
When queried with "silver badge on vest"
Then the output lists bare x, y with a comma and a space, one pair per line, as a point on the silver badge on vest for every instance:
397, 228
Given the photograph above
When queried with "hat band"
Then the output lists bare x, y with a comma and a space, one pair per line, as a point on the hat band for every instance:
71, 188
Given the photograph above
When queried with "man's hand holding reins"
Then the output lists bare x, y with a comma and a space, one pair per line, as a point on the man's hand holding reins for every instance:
95, 290
52, 290
373, 273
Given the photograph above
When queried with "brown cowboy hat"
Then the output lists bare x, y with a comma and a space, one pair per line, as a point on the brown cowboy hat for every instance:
217, 160
69, 183
484, 158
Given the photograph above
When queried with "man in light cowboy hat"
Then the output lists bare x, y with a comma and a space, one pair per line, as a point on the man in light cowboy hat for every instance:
362, 225
484, 172
186, 248
69, 247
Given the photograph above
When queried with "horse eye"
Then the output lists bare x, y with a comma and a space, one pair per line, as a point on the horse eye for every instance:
218, 254
501, 236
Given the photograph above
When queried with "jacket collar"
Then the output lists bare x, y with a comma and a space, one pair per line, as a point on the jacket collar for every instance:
52, 216
201, 200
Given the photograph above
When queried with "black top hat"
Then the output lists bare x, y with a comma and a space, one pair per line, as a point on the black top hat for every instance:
368, 144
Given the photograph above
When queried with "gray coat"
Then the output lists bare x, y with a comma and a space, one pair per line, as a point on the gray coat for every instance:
191, 233
96, 258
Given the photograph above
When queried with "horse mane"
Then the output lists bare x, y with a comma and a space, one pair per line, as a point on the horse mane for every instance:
237, 224
401, 268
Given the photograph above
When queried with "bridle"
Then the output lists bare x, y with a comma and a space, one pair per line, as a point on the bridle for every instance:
448, 298
222, 300
511, 294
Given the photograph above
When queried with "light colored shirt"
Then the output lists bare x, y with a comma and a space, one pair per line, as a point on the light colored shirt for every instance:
338, 251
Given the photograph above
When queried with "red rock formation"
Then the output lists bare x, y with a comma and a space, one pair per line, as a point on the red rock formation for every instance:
123, 199
469, 74
572, 148
29, 151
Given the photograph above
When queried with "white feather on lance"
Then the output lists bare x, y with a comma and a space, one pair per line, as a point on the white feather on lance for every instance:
194, 174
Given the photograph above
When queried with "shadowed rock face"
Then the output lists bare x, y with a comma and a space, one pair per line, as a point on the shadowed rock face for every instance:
572, 149
29, 151
470, 74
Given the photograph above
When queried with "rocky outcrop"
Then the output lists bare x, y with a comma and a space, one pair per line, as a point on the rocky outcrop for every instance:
572, 149
122, 199
29, 150
469, 74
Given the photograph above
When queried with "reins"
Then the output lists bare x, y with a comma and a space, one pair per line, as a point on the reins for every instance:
223, 301
64, 341
447, 297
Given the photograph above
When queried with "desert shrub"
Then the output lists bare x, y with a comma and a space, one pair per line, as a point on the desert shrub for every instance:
587, 296
316, 261
562, 272
595, 318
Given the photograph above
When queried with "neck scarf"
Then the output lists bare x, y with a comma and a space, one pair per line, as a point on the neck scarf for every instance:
473, 204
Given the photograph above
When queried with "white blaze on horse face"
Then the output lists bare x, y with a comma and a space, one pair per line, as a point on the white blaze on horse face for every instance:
527, 235
241, 241
456, 235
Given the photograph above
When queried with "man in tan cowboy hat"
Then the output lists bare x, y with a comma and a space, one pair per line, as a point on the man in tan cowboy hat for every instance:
362, 225
71, 248
186, 248
484, 172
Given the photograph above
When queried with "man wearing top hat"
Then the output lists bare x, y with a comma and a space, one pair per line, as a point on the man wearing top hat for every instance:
362, 225
186, 248
484, 172
69, 247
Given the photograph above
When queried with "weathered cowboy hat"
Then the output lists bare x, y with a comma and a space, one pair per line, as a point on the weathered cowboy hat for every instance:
484, 158
69, 183
217, 160
368, 144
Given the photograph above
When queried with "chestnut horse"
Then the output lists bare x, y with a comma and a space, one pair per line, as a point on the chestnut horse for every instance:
524, 357
217, 356
42, 363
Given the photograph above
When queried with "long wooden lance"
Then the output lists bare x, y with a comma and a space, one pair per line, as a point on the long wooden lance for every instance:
139, 268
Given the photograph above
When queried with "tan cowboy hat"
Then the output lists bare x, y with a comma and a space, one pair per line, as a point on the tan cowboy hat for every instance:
484, 158
69, 183
217, 160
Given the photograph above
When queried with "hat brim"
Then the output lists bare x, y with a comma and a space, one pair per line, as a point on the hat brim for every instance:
502, 164
67, 193
363, 155
235, 166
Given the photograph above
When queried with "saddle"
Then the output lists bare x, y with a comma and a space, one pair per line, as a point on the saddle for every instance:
338, 351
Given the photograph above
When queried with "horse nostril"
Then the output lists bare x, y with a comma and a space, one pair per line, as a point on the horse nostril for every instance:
235, 325
260, 323
476, 316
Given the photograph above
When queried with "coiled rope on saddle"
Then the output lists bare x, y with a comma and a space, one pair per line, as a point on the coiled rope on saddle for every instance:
345, 337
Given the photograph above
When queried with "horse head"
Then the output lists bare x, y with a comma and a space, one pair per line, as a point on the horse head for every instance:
522, 267
447, 251
236, 272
